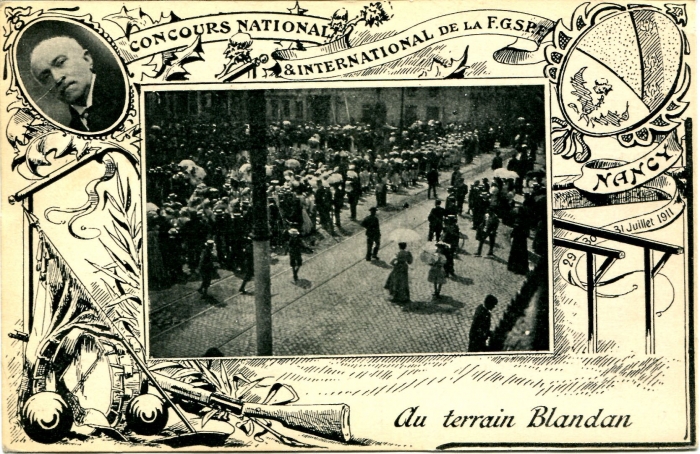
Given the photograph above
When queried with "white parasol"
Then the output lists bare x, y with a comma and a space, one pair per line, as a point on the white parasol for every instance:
195, 173
335, 178
292, 164
505, 174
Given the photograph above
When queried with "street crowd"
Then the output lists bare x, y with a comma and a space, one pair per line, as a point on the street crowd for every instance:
199, 191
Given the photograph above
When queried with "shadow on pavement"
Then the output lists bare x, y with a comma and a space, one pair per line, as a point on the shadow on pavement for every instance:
211, 300
390, 208
304, 283
497, 259
381, 264
443, 305
340, 230
462, 280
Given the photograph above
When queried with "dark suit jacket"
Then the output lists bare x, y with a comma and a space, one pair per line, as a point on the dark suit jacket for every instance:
108, 100
436, 216
371, 224
480, 329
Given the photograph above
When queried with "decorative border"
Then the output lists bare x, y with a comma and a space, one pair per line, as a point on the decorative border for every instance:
43, 148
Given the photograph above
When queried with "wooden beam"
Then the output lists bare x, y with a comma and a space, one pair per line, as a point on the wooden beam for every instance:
660, 264
649, 301
614, 236
598, 250
591, 288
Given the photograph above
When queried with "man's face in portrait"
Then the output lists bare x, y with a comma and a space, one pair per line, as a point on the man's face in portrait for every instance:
63, 62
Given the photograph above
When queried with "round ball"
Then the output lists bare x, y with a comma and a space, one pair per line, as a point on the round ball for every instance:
46, 417
147, 414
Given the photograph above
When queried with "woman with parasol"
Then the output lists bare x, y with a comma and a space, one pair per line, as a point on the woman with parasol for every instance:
397, 282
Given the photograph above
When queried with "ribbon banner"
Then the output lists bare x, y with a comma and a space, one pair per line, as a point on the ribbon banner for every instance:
268, 26
339, 58
605, 176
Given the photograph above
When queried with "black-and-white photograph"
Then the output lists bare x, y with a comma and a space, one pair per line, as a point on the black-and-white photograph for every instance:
72, 75
392, 220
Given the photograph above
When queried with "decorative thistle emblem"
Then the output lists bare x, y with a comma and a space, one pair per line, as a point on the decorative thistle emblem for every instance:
618, 72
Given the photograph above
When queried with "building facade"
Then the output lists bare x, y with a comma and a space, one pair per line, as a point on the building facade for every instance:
399, 107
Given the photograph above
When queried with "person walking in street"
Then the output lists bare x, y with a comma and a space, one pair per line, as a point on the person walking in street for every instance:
247, 267
451, 202
474, 193
294, 247
461, 192
374, 235
338, 201
436, 274
397, 282
518, 260
481, 205
480, 331
353, 190
456, 176
322, 201
487, 229
380, 191
451, 233
206, 267
435, 221
433, 178
497, 161
449, 260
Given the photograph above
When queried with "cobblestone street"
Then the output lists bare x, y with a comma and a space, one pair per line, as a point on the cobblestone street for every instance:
339, 306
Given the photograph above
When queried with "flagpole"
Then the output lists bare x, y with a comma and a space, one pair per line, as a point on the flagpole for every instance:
261, 230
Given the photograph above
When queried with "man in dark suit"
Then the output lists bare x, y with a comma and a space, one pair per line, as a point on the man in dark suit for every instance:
480, 331
374, 235
497, 161
433, 178
322, 200
435, 221
487, 229
94, 99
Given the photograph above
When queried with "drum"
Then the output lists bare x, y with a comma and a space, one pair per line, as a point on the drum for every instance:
101, 376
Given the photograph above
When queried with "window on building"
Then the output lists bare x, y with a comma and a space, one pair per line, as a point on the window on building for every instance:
191, 103
207, 100
299, 111
274, 109
286, 109
411, 114
411, 92
432, 113
367, 113
182, 103
433, 92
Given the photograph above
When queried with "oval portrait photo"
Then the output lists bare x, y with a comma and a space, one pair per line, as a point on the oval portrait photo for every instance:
71, 75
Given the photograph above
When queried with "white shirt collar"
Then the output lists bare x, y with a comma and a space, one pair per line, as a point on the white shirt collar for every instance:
88, 104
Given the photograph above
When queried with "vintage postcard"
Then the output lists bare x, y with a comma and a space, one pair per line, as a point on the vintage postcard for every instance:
348, 225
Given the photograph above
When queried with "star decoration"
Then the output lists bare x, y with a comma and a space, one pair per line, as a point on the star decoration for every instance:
131, 20
298, 10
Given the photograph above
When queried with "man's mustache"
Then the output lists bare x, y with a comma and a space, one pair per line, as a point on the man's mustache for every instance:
52, 88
